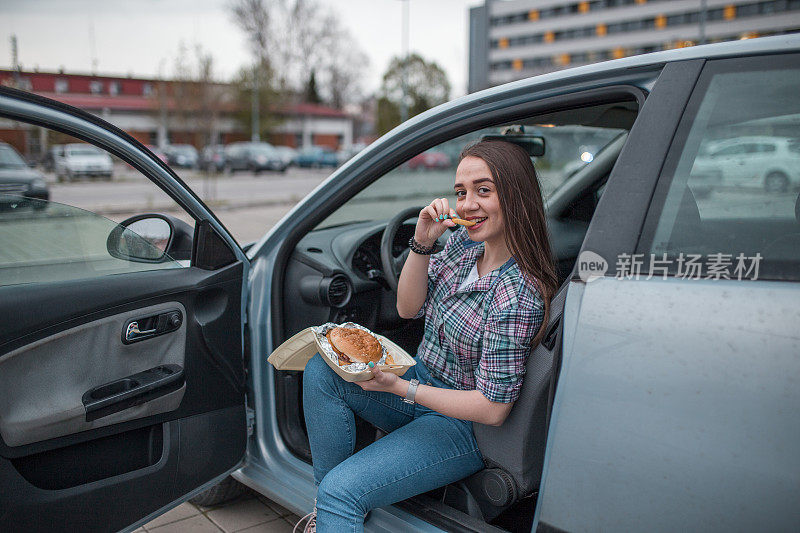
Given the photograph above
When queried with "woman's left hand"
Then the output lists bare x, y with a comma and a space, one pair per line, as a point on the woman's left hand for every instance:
381, 381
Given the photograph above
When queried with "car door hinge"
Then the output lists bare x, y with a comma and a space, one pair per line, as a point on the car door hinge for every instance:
251, 420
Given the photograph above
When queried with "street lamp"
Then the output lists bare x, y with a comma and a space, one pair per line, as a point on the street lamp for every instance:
404, 100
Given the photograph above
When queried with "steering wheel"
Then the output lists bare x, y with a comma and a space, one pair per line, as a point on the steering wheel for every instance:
392, 266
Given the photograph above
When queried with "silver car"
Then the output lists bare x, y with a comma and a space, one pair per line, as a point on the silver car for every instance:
663, 396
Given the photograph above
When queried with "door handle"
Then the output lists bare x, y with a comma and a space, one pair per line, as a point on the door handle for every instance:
139, 329
133, 332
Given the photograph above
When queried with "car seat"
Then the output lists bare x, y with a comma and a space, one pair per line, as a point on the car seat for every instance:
514, 451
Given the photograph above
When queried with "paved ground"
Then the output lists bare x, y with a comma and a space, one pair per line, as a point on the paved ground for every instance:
250, 512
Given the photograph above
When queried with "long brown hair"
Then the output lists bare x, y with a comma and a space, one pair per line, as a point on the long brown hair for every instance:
523, 210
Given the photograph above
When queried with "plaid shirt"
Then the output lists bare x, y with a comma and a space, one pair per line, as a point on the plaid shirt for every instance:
479, 337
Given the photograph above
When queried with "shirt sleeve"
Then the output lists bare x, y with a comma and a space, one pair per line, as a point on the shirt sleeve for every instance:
507, 341
435, 267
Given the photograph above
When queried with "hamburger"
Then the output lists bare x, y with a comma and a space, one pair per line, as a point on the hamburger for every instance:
354, 345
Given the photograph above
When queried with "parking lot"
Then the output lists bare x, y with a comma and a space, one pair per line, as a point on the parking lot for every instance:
248, 204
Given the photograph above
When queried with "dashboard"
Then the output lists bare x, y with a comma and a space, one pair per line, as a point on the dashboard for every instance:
335, 275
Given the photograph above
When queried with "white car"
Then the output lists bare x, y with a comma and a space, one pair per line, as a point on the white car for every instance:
79, 160
759, 161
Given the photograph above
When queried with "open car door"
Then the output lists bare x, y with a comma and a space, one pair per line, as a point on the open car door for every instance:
121, 390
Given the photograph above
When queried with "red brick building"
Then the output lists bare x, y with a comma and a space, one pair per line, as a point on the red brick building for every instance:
159, 112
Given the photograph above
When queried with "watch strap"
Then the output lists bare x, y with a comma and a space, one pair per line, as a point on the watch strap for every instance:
412, 392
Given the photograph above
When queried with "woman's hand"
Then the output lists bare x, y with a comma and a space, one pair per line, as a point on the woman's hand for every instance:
381, 382
430, 225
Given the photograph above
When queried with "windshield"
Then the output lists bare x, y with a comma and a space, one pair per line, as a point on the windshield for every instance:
9, 158
82, 151
431, 174
263, 150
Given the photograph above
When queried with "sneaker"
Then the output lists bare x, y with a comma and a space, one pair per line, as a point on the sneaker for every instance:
311, 524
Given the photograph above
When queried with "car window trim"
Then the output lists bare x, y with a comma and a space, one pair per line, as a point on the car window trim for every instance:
10, 100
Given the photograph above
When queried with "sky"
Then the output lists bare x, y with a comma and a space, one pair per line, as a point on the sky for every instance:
142, 37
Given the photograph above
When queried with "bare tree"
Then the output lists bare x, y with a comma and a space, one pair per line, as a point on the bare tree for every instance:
294, 38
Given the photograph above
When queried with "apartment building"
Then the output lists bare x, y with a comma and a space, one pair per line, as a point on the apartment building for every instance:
514, 39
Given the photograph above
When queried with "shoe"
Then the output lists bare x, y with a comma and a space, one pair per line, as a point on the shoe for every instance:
311, 525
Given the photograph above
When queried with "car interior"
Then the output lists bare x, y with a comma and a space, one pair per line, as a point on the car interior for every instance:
342, 270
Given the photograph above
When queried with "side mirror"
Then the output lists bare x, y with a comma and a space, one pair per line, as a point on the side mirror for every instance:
151, 238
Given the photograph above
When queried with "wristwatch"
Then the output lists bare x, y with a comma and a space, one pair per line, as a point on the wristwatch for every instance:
412, 392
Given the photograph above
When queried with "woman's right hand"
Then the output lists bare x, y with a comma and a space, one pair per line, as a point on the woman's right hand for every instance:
429, 226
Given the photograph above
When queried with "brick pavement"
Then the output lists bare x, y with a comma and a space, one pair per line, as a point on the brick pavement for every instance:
250, 512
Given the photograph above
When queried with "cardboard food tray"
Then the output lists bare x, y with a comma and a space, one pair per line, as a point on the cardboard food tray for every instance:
298, 350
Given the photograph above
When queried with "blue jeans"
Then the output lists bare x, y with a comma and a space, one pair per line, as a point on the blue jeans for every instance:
422, 451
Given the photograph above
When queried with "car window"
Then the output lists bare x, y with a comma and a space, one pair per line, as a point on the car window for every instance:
733, 213
431, 173
56, 217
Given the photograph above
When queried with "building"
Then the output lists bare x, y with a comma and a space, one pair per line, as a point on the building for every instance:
515, 39
160, 112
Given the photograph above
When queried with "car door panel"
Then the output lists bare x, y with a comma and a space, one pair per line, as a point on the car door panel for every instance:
44, 405
68, 341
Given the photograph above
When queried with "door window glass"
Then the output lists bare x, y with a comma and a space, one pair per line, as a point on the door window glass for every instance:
61, 200
732, 200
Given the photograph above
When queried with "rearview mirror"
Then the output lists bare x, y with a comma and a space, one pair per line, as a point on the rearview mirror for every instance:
532, 144
151, 238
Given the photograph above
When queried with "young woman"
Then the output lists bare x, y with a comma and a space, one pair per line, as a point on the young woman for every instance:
484, 298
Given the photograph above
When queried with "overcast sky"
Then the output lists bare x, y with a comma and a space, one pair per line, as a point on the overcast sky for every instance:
142, 37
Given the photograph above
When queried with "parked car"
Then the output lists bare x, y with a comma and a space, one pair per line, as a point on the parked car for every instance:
20, 184
771, 163
429, 160
181, 155
213, 158
158, 152
316, 157
83, 160
662, 397
253, 157
287, 154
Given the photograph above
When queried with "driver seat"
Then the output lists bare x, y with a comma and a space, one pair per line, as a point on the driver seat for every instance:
514, 452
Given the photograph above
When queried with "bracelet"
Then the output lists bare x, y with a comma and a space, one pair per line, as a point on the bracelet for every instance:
418, 249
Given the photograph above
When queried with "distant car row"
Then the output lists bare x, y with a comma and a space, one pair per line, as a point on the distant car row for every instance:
253, 157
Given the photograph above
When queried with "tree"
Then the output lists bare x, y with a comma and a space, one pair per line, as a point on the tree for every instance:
269, 98
296, 38
311, 93
426, 86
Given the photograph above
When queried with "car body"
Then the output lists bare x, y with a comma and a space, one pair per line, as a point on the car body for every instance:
771, 163
181, 155
316, 157
213, 158
82, 160
253, 157
287, 154
655, 401
20, 184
